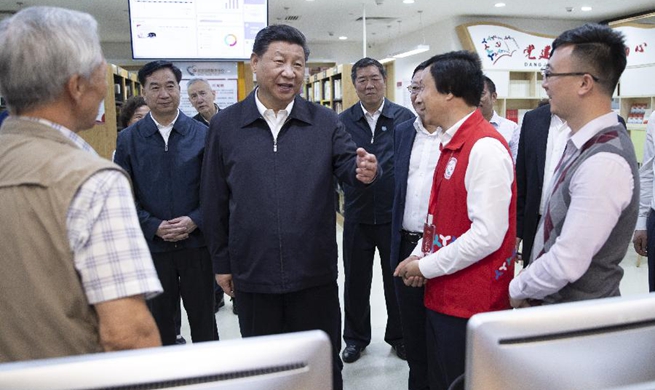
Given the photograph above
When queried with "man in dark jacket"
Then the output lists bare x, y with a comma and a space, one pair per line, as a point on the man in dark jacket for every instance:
163, 153
416, 152
367, 211
267, 197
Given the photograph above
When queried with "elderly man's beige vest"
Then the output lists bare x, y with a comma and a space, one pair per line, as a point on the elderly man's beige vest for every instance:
44, 311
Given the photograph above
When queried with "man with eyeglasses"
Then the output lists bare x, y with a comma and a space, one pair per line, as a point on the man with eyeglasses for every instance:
367, 211
416, 151
592, 207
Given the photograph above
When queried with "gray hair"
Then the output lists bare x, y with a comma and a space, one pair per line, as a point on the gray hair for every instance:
197, 80
41, 48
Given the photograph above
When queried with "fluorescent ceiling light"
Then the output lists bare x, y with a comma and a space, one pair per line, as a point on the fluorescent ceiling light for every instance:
585, 9
343, 37
499, 5
418, 49
387, 59
408, 1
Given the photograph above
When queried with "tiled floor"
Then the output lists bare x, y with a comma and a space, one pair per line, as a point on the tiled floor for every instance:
379, 368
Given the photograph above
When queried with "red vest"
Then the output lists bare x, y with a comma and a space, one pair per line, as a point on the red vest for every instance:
484, 285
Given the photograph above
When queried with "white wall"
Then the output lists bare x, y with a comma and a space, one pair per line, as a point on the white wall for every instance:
442, 37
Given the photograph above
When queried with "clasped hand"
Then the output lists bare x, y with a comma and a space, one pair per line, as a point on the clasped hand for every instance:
409, 271
176, 229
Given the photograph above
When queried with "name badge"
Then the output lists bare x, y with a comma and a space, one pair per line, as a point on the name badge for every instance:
450, 168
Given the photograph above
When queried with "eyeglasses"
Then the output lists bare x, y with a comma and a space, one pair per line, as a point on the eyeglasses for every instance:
414, 89
546, 73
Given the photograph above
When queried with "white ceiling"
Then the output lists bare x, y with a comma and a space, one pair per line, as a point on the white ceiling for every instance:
320, 18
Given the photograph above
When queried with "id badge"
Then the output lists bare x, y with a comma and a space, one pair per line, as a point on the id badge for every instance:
428, 236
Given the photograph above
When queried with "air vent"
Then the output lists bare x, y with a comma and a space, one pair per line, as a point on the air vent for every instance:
291, 18
213, 379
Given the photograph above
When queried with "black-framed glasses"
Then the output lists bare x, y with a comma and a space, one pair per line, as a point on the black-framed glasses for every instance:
546, 73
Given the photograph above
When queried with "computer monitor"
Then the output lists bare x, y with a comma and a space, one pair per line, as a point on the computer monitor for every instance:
296, 361
598, 344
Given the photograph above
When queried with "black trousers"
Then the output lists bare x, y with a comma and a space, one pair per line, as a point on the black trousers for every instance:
413, 317
187, 273
359, 243
309, 309
446, 341
650, 231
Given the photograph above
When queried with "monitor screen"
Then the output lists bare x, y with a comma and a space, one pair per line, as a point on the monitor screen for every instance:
596, 344
195, 29
294, 361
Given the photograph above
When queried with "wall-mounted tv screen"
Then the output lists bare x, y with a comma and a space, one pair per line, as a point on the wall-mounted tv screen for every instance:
195, 29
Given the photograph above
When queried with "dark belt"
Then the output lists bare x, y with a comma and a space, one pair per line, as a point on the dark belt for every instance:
410, 236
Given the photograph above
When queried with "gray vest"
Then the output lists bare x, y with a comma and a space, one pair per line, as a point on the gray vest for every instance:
604, 274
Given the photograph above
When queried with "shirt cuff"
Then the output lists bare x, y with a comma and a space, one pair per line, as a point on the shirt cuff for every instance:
641, 223
418, 249
515, 289
429, 266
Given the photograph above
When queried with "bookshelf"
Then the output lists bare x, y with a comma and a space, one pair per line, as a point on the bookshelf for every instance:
126, 85
332, 88
121, 86
521, 91
518, 92
635, 101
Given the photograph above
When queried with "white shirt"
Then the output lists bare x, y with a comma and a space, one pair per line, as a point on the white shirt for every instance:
422, 161
165, 131
646, 173
372, 119
275, 121
558, 135
596, 204
509, 130
488, 181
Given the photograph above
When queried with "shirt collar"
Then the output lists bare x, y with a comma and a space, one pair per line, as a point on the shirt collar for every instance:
262, 108
377, 112
160, 126
448, 135
556, 121
495, 119
420, 128
593, 127
77, 140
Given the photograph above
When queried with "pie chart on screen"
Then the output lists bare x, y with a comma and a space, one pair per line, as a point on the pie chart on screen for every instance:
230, 40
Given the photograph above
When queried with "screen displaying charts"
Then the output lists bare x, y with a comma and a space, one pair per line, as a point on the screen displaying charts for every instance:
195, 29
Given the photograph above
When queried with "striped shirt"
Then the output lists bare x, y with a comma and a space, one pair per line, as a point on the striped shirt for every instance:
109, 250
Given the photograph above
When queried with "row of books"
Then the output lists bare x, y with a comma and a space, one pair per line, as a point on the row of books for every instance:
515, 115
315, 91
639, 113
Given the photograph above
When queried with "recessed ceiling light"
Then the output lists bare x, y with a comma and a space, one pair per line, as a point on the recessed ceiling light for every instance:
408, 1
585, 9
343, 37
499, 5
